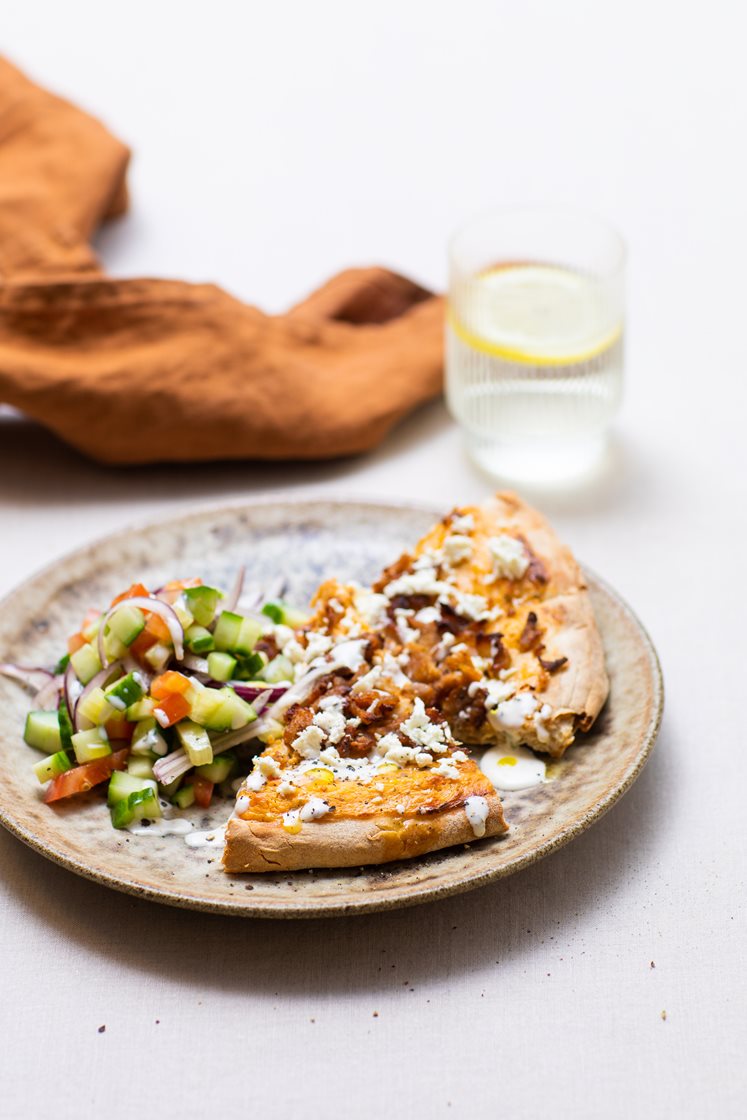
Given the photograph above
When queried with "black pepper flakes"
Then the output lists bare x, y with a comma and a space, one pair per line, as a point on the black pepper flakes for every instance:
102, 1028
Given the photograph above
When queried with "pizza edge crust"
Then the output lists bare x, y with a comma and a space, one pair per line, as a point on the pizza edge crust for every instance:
576, 693
257, 846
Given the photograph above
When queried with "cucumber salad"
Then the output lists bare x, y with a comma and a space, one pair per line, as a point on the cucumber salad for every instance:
158, 694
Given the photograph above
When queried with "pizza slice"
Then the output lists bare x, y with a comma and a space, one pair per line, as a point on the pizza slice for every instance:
483, 634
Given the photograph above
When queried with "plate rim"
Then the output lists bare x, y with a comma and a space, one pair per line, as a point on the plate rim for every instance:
376, 904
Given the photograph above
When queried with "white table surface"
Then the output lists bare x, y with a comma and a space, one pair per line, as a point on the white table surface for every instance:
274, 144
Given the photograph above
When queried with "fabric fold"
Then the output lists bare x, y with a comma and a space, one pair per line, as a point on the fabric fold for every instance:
148, 370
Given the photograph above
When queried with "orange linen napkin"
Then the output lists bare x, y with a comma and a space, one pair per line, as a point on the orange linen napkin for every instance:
137, 371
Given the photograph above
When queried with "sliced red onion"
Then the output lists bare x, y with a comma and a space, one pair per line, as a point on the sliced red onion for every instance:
102, 678
31, 676
155, 606
196, 664
235, 592
133, 666
251, 598
73, 689
252, 693
48, 697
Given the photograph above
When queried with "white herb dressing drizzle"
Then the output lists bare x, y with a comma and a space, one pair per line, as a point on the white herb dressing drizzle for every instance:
514, 768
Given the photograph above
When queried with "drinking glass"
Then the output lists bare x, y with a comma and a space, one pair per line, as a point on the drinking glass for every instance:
534, 340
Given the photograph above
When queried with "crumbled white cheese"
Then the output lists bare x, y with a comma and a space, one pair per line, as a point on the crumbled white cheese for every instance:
476, 809
457, 548
496, 692
510, 560
400, 807
286, 787
405, 632
241, 806
422, 581
309, 742
400, 754
459, 756
314, 808
463, 523
426, 615
294, 651
370, 605
332, 723
290, 819
369, 680
424, 759
474, 607
446, 769
317, 645
268, 767
387, 742
419, 729
350, 654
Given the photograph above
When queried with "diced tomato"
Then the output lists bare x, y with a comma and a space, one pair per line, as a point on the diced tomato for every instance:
119, 729
172, 590
138, 590
75, 642
203, 790
169, 682
170, 710
142, 644
157, 627
82, 778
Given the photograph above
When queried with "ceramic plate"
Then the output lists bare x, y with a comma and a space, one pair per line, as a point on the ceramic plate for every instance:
303, 541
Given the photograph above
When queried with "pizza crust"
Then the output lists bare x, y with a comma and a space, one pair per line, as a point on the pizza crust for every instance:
266, 846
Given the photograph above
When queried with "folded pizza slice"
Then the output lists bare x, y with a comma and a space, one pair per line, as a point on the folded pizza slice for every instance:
362, 773
484, 634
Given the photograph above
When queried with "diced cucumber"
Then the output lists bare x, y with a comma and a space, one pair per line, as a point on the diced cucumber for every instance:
114, 649
89, 745
95, 707
86, 663
251, 666
227, 629
145, 804
142, 804
202, 602
122, 784
62, 664
66, 727
213, 709
242, 712
158, 656
199, 640
147, 739
140, 766
195, 741
183, 613
249, 634
126, 623
51, 766
219, 769
42, 731
141, 709
221, 666
124, 692
281, 612
279, 669
184, 797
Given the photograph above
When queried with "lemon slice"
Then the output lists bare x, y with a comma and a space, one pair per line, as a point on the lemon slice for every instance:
536, 314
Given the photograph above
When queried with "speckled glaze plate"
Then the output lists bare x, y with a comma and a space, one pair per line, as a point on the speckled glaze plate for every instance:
304, 541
